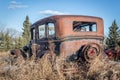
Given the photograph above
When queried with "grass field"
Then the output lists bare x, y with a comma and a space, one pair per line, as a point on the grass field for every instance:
46, 69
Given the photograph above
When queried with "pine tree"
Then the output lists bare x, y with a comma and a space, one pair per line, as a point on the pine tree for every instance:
26, 31
6, 41
18, 43
113, 36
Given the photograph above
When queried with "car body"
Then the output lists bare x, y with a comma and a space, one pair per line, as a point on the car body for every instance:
67, 32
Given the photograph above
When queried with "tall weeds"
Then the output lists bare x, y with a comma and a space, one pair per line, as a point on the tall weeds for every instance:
48, 68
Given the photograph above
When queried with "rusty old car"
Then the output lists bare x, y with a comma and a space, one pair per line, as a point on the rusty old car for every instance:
66, 41
70, 34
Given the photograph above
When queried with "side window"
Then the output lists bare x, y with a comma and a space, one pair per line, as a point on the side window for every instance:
51, 30
41, 31
33, 33
79, 26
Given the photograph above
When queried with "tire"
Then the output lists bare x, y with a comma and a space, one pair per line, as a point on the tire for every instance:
90, 52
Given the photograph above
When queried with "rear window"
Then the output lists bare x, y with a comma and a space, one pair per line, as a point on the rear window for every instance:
79, 26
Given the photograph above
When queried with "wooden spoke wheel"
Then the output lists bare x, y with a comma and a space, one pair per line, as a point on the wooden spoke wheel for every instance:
91, 51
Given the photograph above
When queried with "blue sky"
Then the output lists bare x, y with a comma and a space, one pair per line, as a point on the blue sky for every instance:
13, 12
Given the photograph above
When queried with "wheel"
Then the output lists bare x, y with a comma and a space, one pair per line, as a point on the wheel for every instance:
91, 51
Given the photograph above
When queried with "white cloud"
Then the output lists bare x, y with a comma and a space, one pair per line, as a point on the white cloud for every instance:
13, 2
52, 12
14, 5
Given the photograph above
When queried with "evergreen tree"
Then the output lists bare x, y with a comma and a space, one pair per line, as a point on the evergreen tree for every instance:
6, 41
18, 42
113, 36
26, 31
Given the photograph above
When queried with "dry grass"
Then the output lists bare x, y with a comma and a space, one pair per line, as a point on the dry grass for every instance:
104, 70
27, 70
49, 69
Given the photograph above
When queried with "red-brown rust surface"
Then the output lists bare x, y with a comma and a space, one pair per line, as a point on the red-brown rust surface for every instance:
64, 25
71, 41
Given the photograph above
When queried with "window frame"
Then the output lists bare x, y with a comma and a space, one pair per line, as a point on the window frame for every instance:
47, 30
33, 33
50, 36
84, 28
39, 31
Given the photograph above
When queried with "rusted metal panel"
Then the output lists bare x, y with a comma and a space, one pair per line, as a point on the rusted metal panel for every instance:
70, 47
66, 27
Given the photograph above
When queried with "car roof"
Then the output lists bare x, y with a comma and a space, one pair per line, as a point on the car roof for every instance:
55, 17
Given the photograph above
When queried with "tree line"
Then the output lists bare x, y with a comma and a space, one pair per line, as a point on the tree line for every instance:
11, 39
